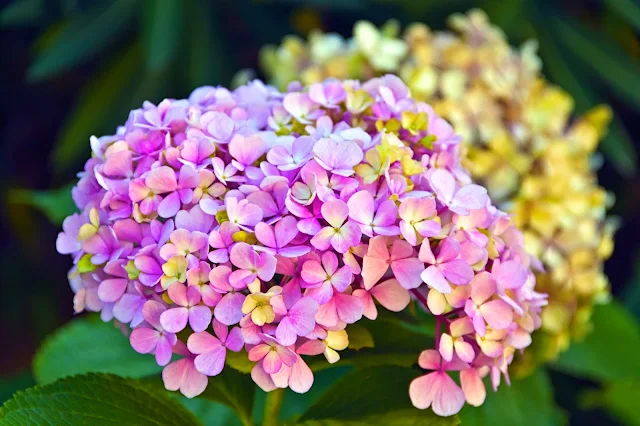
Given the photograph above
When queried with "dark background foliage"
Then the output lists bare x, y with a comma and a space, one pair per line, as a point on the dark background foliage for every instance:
72, 68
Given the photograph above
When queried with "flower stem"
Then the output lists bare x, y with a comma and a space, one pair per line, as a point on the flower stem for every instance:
272, 407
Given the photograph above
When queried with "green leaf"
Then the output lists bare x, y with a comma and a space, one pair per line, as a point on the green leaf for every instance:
372, 396
610, 351
94, 399
161, 31
616, 146
233, 389
359, 337
527, 402
56, 204
604, 57
98, 100
90, 345
239, 361
86, 35
209, 412
21, 12
619, 398
627, 10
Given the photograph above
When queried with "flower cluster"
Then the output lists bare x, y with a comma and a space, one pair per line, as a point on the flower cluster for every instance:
519, 143
267, 221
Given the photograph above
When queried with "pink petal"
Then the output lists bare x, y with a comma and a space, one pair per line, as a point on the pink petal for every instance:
446, 347
202, 342
212, 362
178, 293
423, 390
391, 295
448, 249
483, 286
229, 310
361, 207
449, 398
321, 293
457, 271
349, 308
464, 350
286, 230
510, 274
407, 272
434, 279
194, 382
264, 234
472, 386
164, 351
262, 379
322, 239
313, 273
349, 236
161, 180
327, 314
111, 290
335, 212
387, 214
235, 341
243, 256
174, 320
443, 183
271, 362
341, 278
182, 375
258, 352
429, 359
301, 377
471, 197
428, 228
497, 313
199, 318
144, 340
426, 254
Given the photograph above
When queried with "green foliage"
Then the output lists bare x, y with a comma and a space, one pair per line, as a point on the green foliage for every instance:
398, 340
106, 96
210, 412
239, 361
359, 337
56, 204
603, 56
84, 35
527, 402
233, 389
21, 12
617, 145
96, 399
372, 396
620, 399
610, 352
161, 31
627, 10
14, 383
90, 345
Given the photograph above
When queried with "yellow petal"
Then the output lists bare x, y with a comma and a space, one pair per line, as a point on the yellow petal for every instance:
338, 340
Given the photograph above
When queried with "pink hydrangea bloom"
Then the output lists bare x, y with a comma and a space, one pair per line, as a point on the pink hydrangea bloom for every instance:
266, 221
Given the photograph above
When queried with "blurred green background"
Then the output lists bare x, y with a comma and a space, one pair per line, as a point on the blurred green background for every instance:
73, 68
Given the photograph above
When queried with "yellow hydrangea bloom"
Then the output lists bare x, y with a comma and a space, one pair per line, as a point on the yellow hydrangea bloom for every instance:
520, 143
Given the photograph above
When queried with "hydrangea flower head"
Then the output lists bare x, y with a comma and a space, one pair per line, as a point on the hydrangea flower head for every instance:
267, 221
